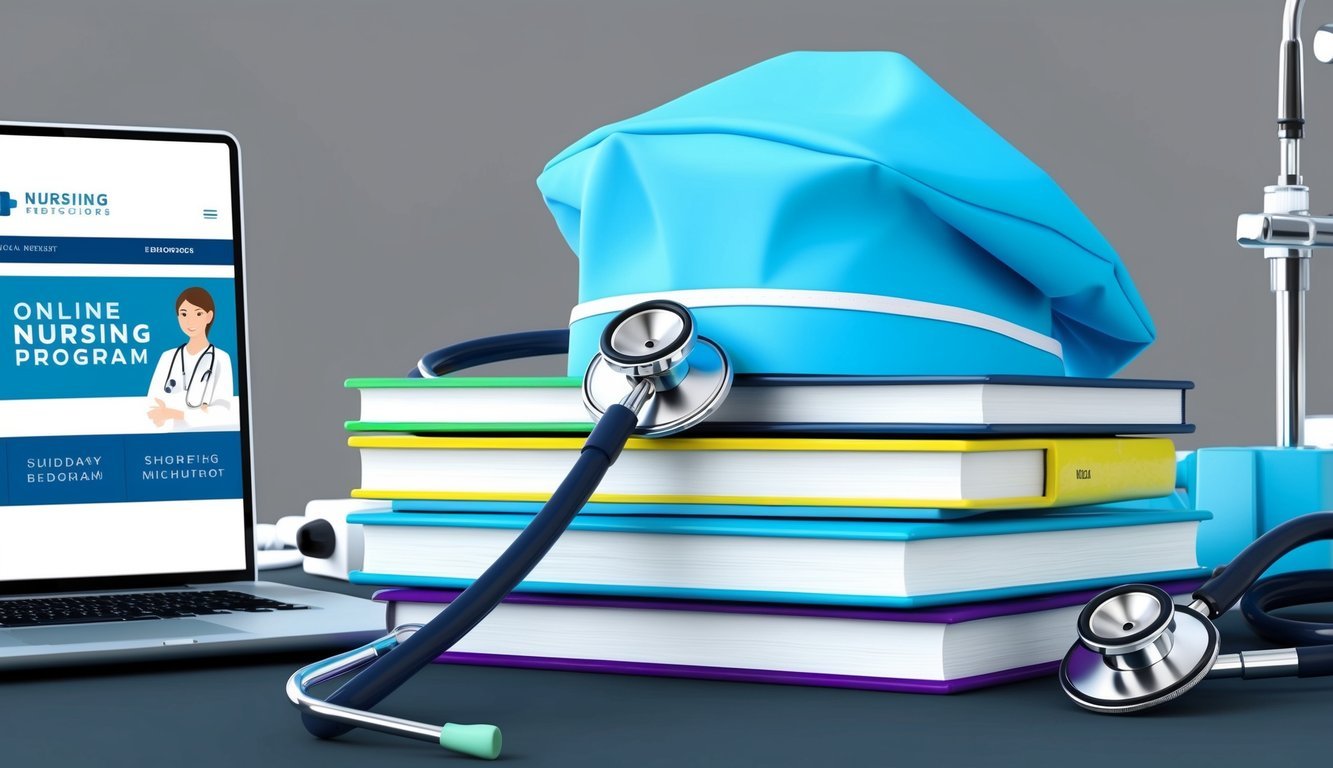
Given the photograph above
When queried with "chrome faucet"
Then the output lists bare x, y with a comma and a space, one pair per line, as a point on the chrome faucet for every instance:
1286, 230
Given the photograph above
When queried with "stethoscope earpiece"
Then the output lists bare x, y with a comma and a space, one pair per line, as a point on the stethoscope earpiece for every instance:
1136, 649
480, 740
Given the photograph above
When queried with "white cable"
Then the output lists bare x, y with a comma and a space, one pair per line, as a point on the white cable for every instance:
275, 545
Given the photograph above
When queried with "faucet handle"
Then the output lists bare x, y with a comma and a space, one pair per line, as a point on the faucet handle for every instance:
1282, 232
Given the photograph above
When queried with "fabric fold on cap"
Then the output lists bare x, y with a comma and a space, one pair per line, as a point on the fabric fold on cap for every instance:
840, 213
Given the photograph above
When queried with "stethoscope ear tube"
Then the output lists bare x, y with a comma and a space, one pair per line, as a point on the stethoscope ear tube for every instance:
491, 349
1283, 591
1222, 591
1315, 661
651, 340
483, 741
387, 673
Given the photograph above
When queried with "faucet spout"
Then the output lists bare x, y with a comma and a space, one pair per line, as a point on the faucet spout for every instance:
1291, 94
1291, 19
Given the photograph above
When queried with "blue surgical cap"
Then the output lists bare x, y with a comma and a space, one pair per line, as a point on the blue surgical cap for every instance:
840, 213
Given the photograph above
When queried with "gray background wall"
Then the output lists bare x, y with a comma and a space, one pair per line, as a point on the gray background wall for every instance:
390, 150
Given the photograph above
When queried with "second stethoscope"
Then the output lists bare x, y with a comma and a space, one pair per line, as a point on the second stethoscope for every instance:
640, 382
194, 382
1137, 650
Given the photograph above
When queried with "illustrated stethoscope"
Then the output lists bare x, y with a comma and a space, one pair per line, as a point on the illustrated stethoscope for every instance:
194, 381
1135, 648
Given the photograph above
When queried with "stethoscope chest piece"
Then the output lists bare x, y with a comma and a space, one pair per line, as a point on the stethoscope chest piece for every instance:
1136, 650
652, 340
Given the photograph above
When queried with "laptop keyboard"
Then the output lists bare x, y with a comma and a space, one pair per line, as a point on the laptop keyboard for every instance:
136, 606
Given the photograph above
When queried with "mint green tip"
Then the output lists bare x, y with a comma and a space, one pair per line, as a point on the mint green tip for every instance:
476, 740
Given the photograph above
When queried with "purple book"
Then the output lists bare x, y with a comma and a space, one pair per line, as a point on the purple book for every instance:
970, 646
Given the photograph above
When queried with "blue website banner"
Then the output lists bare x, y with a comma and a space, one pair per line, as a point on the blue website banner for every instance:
114, 250
121, 468
62, 470
63, 337
203, 465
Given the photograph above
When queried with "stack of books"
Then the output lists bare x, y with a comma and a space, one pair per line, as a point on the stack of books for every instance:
916, 534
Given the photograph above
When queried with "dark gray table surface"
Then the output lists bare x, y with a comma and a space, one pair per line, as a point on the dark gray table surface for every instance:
233, 713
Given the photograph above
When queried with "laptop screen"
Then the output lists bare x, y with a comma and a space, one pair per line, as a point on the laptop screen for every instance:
123, 424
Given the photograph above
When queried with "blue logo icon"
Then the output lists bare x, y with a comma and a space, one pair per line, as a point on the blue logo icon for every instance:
7, 203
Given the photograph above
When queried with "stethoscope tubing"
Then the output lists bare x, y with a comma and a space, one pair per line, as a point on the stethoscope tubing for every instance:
1283, 591
491, 349
1242, 574
390, 671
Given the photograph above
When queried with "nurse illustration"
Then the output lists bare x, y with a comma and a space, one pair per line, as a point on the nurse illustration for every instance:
191, 385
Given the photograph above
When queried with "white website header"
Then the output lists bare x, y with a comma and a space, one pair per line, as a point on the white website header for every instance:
58, 186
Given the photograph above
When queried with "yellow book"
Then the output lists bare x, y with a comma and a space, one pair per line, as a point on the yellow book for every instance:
948, 474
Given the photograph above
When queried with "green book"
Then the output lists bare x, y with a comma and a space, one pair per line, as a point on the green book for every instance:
871, 405
470, 404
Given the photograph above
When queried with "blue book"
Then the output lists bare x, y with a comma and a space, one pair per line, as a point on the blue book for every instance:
768, 404
893, 564
1174, 501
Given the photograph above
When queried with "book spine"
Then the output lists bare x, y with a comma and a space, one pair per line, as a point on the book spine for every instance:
1095, 471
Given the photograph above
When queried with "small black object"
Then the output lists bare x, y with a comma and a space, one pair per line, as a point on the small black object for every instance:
317, 539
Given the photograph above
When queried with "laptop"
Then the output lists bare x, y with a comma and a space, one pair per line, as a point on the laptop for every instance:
126, 485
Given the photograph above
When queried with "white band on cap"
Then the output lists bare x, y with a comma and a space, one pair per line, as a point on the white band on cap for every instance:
858, 302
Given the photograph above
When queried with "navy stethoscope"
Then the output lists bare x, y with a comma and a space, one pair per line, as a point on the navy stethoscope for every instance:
653, 375
1135, 649
194, 381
